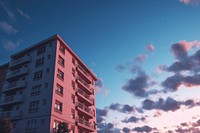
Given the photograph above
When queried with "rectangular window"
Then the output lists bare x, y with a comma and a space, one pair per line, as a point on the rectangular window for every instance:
60, 74
33, 106
61, 61
55, 124
58, 106
31, 124
62, 49
59, 89
73, 99
73, 85
39, 62
41, 50
73, 61
73, 72
37, 75
72, 113
36, 90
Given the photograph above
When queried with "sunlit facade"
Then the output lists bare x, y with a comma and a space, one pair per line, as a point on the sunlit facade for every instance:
46, 84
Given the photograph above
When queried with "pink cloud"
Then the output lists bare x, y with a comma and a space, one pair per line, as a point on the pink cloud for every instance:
106, 92
193, 2
141, 58
150, 47
186, 45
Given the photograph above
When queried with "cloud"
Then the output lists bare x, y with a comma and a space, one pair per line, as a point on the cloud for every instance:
150, 47
141, 58
120, 68
122, 108
4, 26
8, 11
106, 92
126, 130
99, 85
168, 104
101, 114
9, 45
132, 119
193, 2
144, 129
106, 128
23, 14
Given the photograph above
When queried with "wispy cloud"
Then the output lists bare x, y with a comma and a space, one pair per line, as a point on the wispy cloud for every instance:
10, 45
193, 2
4, 26
8, 11
23, 14
150, 47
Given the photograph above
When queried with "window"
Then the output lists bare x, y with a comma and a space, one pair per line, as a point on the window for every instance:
36, 90
59, 89
73, 61
58, 106
60, 74
55, 124
31, 124
39, 62
62, 49
49, 56
41, 50
33, 106
42, 121
50, 44
37, 75
46, 85
73, 99
47, 70
73, 85
73, 72
72, 129
44, 101
72, 113
61, 61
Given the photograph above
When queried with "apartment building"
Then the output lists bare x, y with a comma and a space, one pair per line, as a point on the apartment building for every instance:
46, 84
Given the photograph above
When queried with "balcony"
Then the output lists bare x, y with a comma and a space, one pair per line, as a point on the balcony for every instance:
13, 99
19, 62
11, 114
83, 96
14, 85
84, 110
85, 75
84, 85
85, 124
16, 73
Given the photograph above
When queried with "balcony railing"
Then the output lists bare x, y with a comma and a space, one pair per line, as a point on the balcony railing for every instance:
19, 61
11, 114
11, 99
85, 108
17, 72
85, 123
85, 73
86, 85
86, 96
14, 85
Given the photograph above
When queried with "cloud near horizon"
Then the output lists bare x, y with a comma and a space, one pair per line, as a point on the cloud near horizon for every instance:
193, 2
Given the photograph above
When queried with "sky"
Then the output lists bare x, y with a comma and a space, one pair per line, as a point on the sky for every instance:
145, 53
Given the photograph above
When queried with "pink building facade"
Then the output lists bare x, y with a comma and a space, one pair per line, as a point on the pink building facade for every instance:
46, 84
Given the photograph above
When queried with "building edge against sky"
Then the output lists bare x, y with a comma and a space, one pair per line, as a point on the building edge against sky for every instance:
46, 84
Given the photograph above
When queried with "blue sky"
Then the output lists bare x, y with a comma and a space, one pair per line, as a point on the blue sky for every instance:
131, 45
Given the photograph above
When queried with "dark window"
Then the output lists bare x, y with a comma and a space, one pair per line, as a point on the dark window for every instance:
62, 49
58, 106
42, 121
72, 113
31, 124
59, 89
44, 101
61, 61
37, 75
60, 74
73, 85
49, 56
73, 72
47, 70
36, 90
33, 106
46, 85
73, 99
73, 61
39, 62
41, 50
